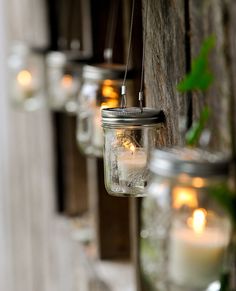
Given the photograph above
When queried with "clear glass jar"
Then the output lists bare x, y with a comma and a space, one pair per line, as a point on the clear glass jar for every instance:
63, 82
100, 89
185, 232
130, 135
26, 78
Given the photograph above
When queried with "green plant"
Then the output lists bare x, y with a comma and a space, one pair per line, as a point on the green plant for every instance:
199, 79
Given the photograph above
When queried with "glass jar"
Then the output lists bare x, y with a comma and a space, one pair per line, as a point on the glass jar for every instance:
100, 89
130, 135
63, 82
185, 232
26, 78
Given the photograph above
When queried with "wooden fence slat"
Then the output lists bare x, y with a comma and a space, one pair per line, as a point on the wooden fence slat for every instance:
165, 63
207, 18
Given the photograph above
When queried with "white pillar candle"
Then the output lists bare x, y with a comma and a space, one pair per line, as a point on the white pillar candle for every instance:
196, 255
132, 165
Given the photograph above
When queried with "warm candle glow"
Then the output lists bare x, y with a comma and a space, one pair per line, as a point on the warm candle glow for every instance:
24, 78
67, 81
108, 90
109, 104
198, 221
183, 196
132, 148
128, 144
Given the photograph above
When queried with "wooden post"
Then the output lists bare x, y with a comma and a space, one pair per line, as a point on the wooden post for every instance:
72, 192
110, 216
165, 63
209, 18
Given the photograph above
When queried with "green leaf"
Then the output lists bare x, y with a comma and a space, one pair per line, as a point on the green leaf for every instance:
226, 198
200, 76
194, 133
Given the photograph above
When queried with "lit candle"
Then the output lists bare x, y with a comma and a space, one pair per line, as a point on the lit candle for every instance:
69, 90
184, 196
25, 87
98, 138
132, 163
196, 251
68, 85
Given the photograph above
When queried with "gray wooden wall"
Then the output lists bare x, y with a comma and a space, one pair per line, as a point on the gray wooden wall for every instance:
37, 252
175, 32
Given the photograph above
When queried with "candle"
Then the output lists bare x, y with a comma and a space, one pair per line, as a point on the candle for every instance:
98, 138
25, 87
69, 90
68, 85
196, 252
184, 196
132, 163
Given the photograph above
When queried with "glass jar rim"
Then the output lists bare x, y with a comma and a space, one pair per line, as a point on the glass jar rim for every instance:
194, 162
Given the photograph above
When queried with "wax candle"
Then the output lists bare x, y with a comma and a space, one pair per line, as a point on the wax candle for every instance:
132, 164
98, 138
25, 85
68, 85
196, 252
69, 90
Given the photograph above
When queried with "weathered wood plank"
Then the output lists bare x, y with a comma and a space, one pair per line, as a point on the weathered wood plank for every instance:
207, 18
230, 24
72, 192
111, 216
165, 63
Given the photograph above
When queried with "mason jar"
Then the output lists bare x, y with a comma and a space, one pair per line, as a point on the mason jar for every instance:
100, 89
130, 135
185, 233
63, 82
26, 77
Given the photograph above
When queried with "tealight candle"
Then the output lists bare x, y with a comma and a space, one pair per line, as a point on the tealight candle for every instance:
132, 164
25, 86
98, 137
196, 251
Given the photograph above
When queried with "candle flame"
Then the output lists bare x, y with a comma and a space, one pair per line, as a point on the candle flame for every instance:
198, 220
183, 196
198, 182
67, 81
24, 78
132, 148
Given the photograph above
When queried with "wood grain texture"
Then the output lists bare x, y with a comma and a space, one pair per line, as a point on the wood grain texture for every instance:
111, 216
230, 24
208, 18
72, 192
165, 63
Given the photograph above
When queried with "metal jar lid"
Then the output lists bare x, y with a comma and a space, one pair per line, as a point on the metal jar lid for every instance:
171, 162
104, 71
56, 59
131, 116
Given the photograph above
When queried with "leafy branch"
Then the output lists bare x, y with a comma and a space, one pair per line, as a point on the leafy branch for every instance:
199, 78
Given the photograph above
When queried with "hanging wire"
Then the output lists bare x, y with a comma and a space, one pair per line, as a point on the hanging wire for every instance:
140, 94
123, 87
111, 28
